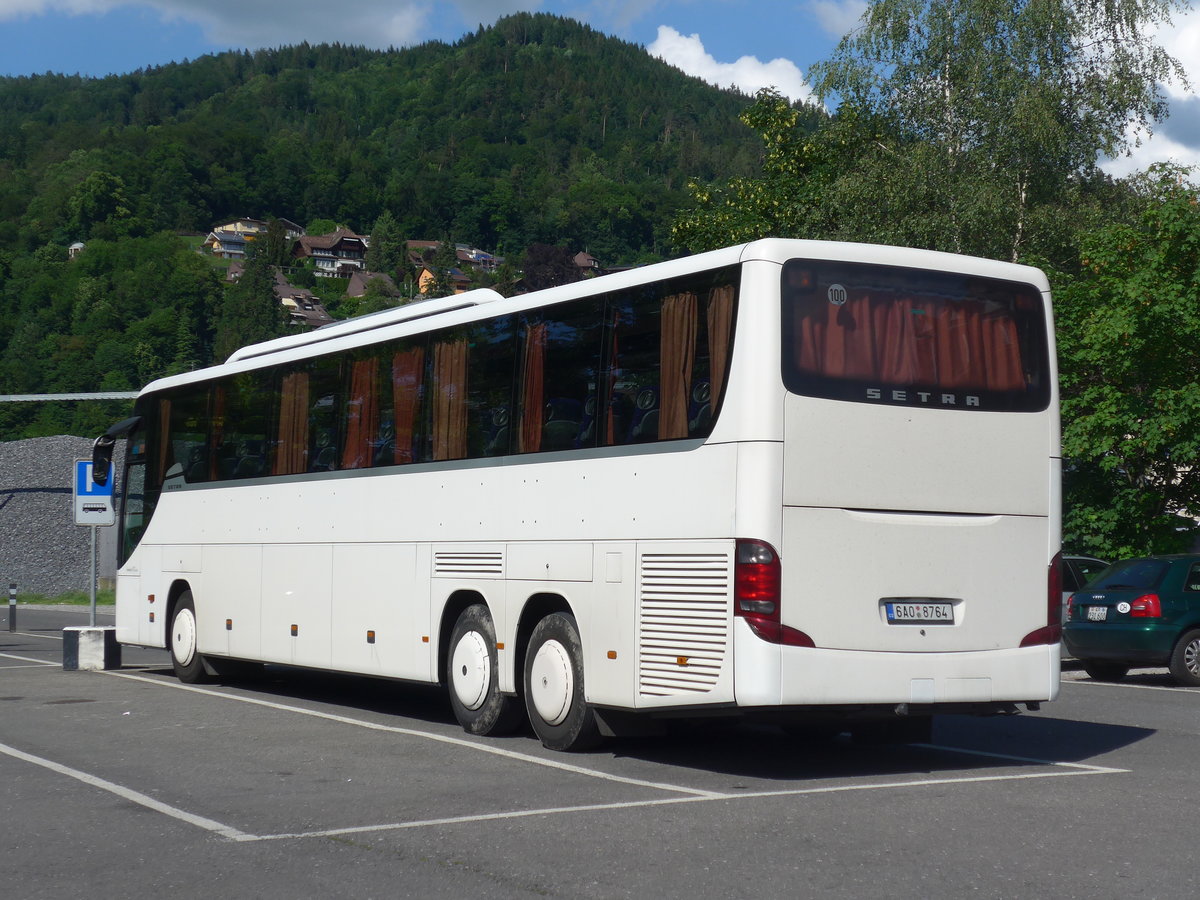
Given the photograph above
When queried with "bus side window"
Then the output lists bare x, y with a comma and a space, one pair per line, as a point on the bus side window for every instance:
559, 370
634, 365
490, 370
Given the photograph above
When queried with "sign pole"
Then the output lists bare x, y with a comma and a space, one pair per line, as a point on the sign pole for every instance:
12, 607
92, 580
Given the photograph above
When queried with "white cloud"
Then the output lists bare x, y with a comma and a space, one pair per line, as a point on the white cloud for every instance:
748, 73
1181, 40
838, 17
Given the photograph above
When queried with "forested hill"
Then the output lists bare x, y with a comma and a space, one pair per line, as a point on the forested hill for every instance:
535, 129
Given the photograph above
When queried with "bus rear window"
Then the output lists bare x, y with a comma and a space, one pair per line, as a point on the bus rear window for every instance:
911, 337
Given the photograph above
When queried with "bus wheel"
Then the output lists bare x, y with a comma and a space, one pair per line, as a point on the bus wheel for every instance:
554, 686
187, 661
1185, 660
472, 670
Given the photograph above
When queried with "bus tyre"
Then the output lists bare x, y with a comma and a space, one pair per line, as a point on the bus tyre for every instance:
1185, 660
472, 670
185, 658
554, 686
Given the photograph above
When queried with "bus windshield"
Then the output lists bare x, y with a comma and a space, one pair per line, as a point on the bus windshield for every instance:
910, 337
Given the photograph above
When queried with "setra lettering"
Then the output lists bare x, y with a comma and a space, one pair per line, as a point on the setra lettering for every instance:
899, 395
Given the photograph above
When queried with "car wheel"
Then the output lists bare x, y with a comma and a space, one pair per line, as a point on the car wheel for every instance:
1185, 660
185, 658
1104, 671
473, 673
554, 686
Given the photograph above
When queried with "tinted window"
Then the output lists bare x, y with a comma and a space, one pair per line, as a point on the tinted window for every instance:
1133, 574
878, 334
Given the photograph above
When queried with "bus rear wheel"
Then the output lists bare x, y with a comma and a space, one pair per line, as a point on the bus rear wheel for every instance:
554, 686
472, 671
185, 658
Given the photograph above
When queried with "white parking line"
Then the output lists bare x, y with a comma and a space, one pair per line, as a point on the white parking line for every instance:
689, 795
30, 659
1137, 687
224, 831
429, 735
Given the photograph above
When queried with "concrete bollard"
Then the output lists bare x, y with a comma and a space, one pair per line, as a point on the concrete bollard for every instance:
90, 647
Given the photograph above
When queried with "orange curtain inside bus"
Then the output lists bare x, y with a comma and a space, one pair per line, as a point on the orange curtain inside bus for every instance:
450, 400
904, 340
291, 450
408, 366
720, 327
533, 389
362, 414
678, 345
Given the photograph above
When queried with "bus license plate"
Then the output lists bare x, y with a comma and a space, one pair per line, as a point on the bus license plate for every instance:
1097, 613
924, 613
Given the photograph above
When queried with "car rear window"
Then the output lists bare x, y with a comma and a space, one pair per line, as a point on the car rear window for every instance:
913, 337
1134, 574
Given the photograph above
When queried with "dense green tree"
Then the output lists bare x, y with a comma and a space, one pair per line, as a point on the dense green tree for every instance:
971, 114
250, 312
547, 266
388, 251
445, 260
1129, 346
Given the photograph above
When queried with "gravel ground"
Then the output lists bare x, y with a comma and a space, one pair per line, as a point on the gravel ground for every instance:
42, 550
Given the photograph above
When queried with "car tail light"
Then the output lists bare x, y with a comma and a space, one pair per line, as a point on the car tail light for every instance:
757, 591
1147, 606
1051, 632
1070, 607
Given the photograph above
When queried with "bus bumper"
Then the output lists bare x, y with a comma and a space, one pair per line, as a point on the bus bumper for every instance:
773, 675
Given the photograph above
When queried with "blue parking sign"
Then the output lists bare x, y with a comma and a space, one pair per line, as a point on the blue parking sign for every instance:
93, 502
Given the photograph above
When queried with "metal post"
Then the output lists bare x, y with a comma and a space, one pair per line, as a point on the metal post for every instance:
92, 580
12, 607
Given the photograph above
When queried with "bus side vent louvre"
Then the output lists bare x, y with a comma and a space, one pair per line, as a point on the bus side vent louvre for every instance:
683, 614
479, 564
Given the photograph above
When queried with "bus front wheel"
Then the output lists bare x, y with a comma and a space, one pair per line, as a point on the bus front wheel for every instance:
554, 686
185, 658
472, 670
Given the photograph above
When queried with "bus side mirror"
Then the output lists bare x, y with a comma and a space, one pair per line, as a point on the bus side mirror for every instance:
102, 449
102, 452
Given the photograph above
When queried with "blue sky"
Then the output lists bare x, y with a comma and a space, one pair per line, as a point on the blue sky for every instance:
741, 42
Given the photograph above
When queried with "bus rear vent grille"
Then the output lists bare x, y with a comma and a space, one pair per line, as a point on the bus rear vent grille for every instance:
477, 564
683, 622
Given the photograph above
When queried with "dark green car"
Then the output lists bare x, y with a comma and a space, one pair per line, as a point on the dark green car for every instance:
1138, 612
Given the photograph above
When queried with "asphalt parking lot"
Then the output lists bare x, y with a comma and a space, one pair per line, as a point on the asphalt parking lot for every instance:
305, 785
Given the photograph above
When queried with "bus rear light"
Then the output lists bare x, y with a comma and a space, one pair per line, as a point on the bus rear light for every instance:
1147, 606
757, 587
1051, 632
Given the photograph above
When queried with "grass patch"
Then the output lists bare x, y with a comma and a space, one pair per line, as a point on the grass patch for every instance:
71, 598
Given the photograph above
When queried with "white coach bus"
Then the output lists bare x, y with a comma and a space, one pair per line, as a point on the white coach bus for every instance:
811, 481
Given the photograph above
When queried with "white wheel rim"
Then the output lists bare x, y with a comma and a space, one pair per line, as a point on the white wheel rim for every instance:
183, 637
552, 682
471, 670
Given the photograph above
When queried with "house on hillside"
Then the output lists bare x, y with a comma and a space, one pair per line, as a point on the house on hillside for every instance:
359, 281
588, 264
340, 254
461, 281
230, 240
302, 306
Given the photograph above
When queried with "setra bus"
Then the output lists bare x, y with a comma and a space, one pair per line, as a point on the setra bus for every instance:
816, 482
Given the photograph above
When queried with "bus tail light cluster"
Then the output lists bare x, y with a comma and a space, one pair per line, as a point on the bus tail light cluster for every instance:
1051, 632
757, 591
1147, 606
